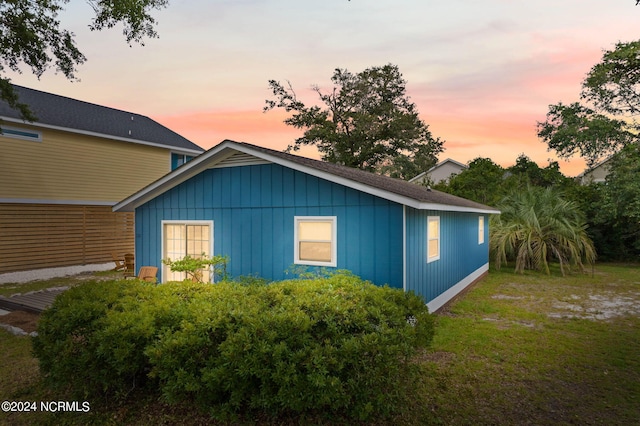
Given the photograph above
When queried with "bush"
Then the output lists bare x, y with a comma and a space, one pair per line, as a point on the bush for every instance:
338, 346
92, 339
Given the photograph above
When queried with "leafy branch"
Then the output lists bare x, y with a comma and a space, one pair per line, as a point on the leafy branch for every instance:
194, 267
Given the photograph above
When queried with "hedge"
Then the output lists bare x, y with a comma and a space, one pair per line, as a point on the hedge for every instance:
337, 345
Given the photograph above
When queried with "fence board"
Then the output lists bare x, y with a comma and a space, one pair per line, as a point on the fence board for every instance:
34, 236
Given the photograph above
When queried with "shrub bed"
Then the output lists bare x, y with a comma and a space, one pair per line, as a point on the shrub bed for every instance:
334, 345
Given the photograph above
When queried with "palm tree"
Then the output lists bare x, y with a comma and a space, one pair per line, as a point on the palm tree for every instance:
537, 226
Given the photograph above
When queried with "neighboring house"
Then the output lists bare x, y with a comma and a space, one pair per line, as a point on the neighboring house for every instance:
595, 174
440, 172
60, 176
268, 211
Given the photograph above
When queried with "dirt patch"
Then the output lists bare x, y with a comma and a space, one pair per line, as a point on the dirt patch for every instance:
23, 320
438, 357
602, 306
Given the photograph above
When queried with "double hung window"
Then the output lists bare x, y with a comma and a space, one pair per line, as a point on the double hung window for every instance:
315, 240
433, 238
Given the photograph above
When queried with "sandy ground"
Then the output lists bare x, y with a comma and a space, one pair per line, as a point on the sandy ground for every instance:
48, 273
25, 321
600, 306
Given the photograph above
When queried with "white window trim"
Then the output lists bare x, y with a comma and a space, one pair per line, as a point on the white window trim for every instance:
183, 222
480, 229
38, 134
334, 240
183, 158
437, 220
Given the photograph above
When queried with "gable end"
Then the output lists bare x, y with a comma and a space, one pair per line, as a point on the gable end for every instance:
240, 159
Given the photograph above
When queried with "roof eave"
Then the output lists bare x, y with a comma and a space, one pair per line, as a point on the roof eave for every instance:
103, 135
205, 161
168, 181
451, 208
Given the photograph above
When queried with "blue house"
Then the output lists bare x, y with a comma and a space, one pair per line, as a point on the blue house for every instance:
269, 210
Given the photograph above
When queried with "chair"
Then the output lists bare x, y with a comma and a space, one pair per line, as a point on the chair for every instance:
148, 273
129, 265
118, 261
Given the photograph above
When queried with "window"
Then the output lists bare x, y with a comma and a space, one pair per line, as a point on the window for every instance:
433, 238
480, 229
315, 240
178, 160
185, 238
26, 134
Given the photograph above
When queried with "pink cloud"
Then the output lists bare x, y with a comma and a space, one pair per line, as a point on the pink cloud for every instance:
501, 137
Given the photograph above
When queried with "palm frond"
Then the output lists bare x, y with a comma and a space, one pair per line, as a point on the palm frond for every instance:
538, 226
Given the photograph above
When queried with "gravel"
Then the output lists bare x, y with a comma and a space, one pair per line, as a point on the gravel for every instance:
48, 273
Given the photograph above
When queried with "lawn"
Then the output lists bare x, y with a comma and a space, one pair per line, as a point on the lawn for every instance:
515, 349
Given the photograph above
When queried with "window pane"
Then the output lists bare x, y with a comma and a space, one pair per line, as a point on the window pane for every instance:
21, 134
434, 231
320, 252
314, 231
180, 240
433, 248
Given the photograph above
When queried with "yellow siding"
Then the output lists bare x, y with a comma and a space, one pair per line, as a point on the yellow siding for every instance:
40, 236
67, 166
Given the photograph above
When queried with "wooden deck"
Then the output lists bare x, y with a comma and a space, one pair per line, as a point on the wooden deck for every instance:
31, 302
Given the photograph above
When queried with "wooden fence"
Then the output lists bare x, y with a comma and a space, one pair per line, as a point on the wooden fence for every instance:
34, 236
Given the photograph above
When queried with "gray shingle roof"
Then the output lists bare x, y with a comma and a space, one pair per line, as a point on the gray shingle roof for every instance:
385, 183
62, 112
396, 190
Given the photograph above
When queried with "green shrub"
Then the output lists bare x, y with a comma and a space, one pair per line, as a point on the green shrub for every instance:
337, 346
66, 345
194, 267
92, 339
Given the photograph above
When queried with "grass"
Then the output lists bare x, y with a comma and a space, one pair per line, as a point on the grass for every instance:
516, 349
512, 352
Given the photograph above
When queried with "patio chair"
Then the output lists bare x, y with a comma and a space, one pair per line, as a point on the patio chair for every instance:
129, 265
148, 273
119, 261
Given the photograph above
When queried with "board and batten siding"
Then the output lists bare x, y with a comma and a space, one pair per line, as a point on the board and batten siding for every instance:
253, 208
461, 256
34, 236
66, 166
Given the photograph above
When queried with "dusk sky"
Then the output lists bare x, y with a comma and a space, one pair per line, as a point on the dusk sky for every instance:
482, 73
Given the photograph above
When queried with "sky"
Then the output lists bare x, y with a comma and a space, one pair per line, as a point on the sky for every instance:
482, 73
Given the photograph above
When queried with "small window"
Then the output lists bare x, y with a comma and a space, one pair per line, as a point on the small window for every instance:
178, 160
481, 230
315, 240
433, 238
25, 134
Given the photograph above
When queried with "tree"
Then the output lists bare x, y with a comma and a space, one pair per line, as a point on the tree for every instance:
607, 123
482, 182
366, 121
194, 267
487, 182
537, 226
620, 205
526, 172
30, 34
